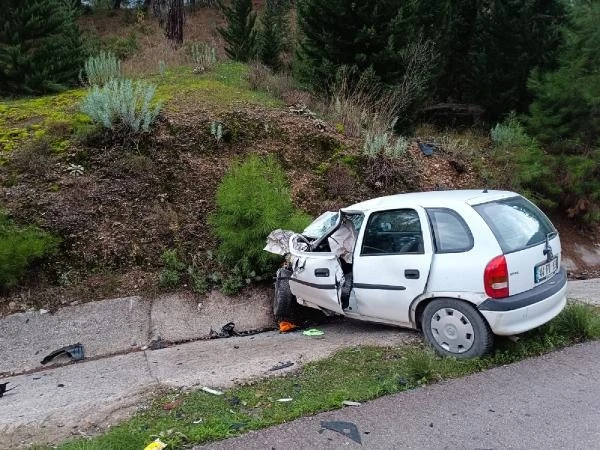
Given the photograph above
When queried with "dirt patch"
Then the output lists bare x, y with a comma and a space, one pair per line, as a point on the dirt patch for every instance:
580, 247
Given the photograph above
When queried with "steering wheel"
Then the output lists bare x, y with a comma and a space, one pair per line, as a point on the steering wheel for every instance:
302, 238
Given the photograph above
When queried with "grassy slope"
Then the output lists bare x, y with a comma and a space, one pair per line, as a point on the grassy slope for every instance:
58, 118
356, 374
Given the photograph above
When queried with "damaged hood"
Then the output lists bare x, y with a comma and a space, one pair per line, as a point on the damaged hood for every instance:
278, 242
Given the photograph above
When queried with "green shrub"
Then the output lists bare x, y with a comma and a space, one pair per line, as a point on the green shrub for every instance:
19, 247
383, 143
173, 267
523, 162
198, 281
122, 47
102, 68
253, 199
169, 278
122, 104
421, 365
232, 284
578, 321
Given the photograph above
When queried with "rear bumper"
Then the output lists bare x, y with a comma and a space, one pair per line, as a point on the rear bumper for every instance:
523, 312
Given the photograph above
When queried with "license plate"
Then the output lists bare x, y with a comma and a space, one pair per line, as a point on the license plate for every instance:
545, 270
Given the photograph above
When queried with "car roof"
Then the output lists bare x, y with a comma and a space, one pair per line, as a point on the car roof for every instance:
430, 199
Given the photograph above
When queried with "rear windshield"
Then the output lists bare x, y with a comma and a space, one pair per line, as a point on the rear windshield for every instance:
516, 223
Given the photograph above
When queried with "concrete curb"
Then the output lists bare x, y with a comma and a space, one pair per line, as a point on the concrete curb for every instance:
587, 291
122, 325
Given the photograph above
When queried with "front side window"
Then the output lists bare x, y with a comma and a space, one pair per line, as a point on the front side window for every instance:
392, 233
450, 232
517, 223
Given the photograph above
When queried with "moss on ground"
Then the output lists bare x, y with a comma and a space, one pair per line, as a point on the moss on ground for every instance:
57, 117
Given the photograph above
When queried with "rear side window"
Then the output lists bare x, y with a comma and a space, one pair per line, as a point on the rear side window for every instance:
516, 223
450, 232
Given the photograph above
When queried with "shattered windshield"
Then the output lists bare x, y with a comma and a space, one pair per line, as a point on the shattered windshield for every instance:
322, 225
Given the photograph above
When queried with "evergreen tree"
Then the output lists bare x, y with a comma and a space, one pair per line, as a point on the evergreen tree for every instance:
566, 109
239, 34
40, 46
565, 115
271, 36
360, 35
488, 48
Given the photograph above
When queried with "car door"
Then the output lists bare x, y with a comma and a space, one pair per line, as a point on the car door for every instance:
391, 263
316, 278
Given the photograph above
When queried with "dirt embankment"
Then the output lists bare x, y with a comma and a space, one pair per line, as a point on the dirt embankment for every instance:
139, 197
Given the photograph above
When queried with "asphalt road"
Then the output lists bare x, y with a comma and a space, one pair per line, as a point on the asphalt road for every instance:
551, 402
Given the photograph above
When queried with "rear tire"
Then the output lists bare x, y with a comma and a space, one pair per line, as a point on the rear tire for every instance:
455, 328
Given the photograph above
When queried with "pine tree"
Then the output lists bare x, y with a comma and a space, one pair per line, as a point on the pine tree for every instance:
489, 47
40, 46
565, 115
360, 35
239, 34
566, 111
271, 36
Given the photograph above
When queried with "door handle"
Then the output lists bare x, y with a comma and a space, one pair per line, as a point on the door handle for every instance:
322, 273
411, 274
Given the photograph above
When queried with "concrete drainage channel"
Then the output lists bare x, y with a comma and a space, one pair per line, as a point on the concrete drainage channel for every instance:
122, 325
49, 405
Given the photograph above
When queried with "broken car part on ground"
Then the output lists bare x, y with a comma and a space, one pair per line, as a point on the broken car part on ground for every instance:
459, 265
74, 352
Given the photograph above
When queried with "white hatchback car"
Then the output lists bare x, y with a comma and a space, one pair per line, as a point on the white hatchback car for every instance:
459, 265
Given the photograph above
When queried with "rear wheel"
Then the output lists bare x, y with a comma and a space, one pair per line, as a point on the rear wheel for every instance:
455, 328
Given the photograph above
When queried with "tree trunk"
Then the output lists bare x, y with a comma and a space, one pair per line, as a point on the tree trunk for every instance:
174, 26
117, 4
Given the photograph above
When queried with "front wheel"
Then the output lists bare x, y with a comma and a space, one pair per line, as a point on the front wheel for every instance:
283, 301
455, 328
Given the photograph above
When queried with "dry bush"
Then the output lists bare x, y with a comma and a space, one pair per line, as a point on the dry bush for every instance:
365, 106
155, 49
261, 77
390, 175
339, 181
362, 106
33, 158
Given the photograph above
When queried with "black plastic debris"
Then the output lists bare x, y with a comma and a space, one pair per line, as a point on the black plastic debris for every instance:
426, 149
281, 365
348, 429
227, 330
3, 389
75, 352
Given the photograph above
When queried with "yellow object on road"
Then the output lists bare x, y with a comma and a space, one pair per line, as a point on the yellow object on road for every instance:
157, 444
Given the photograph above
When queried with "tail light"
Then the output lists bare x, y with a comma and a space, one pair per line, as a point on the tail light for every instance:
495, 278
